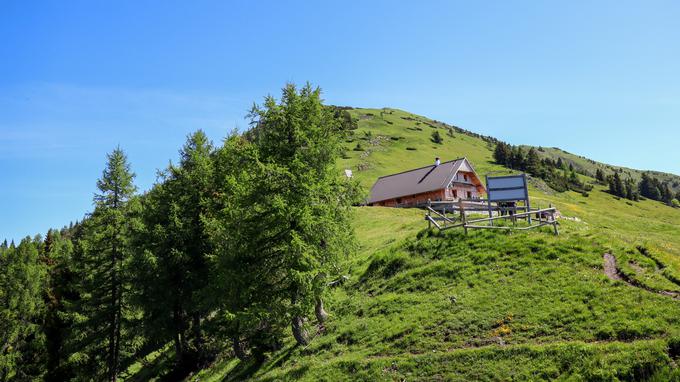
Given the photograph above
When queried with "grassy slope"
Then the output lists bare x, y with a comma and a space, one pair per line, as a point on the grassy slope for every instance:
490, 306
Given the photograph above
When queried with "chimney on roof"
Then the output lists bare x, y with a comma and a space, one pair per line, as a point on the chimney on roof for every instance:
437, 162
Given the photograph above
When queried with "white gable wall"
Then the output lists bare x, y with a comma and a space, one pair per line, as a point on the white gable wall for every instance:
465, 167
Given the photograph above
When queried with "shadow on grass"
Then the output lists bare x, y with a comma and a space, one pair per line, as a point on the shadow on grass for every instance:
161, 365
164, 368
245, 370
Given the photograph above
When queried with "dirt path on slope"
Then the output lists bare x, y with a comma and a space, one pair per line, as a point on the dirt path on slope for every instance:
610, 267
613, 273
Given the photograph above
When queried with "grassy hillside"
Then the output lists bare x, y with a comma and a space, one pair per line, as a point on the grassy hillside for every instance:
489, 306
394, 135
392, 140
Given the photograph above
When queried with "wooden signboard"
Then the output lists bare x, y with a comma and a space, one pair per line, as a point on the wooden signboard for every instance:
508, 188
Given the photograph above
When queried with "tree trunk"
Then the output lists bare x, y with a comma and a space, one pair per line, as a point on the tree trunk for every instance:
196, 326
240, 348
119, 321
112, 361
114, 335
299, 332
321, 314
200, 355
179, 349
298, 323
179, 340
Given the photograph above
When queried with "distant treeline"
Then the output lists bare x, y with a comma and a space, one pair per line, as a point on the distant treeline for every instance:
561, 176
234, 245
558, 175
648, 187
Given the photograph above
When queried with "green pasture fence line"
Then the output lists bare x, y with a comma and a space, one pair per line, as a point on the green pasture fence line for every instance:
545, 217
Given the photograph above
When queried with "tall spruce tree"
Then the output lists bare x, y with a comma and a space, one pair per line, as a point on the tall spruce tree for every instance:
518, 160
533, 162
502, 154
616, 185
649, 187
99, 325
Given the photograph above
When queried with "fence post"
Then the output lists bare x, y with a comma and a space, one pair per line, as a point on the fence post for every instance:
429, 214
527, 204
444, 212
554, 221
463, 218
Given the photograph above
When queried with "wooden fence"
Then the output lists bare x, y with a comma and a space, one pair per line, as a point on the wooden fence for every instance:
439, 218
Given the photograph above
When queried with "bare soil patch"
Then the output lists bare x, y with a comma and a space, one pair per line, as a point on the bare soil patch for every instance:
610, 267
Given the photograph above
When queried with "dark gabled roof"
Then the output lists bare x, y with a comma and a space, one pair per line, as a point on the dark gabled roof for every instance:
417, 181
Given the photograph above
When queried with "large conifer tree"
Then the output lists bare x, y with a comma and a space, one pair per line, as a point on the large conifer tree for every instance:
173, 250
246, 274
301, 137
616, 186
99, 316
533, 162
649, 187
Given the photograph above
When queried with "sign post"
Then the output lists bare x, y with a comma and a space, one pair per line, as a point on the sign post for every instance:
508, 188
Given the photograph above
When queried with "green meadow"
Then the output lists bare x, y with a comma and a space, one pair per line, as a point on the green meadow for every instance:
420, 304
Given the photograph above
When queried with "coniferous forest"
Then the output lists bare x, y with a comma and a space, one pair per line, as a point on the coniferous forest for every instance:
562, 176
233, 246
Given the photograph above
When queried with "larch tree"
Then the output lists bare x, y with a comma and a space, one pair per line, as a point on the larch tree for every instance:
105, 247
248, 278
302, 138
173, 250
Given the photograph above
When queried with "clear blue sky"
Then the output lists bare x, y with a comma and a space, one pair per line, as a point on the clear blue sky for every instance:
601, 79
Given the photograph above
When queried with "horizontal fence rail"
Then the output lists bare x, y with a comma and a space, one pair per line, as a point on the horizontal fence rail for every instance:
436, 215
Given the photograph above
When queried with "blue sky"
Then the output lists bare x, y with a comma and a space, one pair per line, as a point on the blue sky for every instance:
600, 79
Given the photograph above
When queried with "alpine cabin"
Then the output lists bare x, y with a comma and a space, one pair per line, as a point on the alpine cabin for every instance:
442, 181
